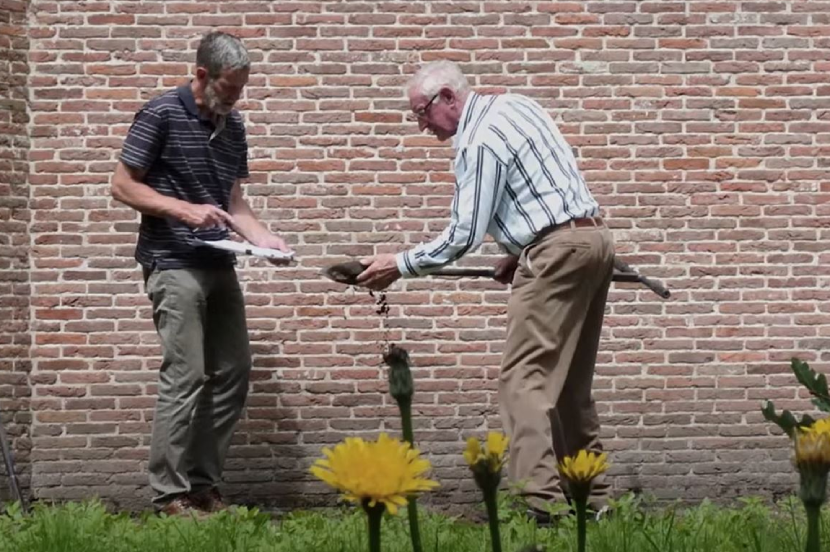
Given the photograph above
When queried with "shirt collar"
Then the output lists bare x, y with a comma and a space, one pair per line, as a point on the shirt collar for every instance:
186, 97
463, 122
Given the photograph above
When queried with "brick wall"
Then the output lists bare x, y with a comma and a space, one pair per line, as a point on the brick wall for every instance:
15, 340
702, 127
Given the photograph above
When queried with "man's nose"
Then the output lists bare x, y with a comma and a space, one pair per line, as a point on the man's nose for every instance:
422, 124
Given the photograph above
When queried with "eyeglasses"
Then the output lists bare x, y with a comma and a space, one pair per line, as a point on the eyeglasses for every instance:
421, 113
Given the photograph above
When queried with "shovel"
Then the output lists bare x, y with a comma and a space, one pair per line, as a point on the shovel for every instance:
347, 273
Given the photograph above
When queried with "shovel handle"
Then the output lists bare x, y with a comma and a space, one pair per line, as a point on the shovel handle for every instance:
468, 272
653, 285
622, 273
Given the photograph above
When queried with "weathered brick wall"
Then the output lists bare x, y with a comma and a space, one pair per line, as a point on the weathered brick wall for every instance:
702, 127
15, 339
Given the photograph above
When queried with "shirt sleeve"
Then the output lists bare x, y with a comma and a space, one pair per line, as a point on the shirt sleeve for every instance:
480, 182
145, 139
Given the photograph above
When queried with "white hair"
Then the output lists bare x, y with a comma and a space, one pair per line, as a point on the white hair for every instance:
431, 78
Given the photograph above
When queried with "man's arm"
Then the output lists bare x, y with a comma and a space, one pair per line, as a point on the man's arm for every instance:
480, 182
479, 186
128, 188
246, 223
141, 149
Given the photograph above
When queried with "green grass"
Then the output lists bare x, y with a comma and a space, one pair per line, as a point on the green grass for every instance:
636, 527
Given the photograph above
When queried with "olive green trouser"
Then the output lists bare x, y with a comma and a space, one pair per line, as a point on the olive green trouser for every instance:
203, 382
554, 320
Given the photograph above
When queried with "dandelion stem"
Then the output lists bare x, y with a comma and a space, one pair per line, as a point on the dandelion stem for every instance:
412, 511
813, 522
405, 408
375, 515
581, 529
493, 518
401, 387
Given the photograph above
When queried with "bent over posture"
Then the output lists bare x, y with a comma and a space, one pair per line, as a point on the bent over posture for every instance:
517, 180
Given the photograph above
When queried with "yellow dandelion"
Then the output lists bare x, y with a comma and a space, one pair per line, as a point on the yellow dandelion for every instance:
812, 446
584, 467
485, 464
820, 426
491, 456
385, 471
473, 454
496, 450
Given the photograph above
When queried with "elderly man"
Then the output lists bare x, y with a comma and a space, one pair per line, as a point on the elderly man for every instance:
180, 167
517, 180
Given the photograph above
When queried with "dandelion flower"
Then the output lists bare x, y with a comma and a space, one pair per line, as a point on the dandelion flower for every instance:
812, 447
579, 472
489, 458
385, 471
584, 467
812, 458
486, 463
820, 426
472, 454
496, 450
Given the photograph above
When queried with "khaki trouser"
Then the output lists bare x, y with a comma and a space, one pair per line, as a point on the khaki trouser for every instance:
554, 319
203, 382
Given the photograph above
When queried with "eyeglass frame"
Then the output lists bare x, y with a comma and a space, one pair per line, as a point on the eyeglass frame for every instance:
421, 113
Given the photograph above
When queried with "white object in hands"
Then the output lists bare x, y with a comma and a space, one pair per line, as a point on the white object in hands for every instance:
246, 248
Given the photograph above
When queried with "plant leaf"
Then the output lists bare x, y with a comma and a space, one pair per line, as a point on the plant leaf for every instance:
815, 383
786, 421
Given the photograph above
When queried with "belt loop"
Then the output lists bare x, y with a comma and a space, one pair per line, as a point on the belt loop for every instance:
572, 224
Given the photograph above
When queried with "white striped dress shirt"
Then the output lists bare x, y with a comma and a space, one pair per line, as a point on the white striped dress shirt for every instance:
515, 175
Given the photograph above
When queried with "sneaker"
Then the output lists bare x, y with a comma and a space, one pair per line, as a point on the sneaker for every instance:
209, 501
179, 507
543, 519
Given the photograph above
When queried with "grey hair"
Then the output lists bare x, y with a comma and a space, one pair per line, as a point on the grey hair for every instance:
219, 51
431, 78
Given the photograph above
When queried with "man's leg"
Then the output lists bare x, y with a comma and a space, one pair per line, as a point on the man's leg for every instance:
575, 420
552, 289
227, 366
178, 300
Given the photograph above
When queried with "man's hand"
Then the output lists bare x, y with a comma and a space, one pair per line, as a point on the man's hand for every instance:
382, 272
273, 241
203, 215
505, 268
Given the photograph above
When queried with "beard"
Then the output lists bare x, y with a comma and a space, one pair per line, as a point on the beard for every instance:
214, 103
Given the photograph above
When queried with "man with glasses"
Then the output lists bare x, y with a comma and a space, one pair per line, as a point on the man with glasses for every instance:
181, 167
518, 181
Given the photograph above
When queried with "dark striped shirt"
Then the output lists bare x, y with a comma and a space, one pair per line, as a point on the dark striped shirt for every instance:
192, 158
515, 175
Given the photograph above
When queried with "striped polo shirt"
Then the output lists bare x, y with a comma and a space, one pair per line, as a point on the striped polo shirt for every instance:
515, 175
191, 157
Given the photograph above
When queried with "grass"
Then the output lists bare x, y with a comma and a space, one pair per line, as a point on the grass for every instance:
636, 526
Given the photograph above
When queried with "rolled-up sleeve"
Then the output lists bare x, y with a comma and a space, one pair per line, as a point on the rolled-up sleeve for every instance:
145, 139
480, 181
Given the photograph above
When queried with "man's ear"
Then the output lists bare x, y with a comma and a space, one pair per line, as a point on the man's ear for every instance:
201, 73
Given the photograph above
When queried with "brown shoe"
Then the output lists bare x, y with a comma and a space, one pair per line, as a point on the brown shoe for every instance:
181, 507
209, 501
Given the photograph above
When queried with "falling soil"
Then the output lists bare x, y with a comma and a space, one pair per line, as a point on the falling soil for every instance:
382, 308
